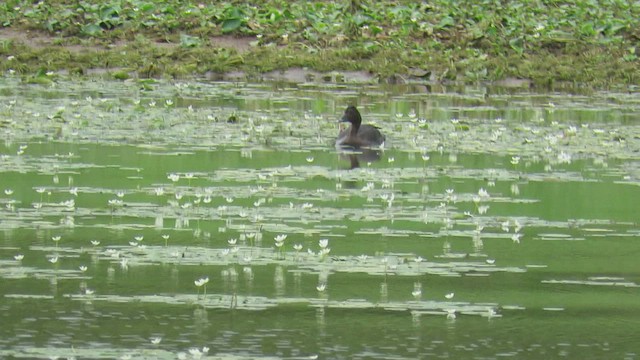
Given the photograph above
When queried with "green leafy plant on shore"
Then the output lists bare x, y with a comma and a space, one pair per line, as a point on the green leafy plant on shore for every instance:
418, 33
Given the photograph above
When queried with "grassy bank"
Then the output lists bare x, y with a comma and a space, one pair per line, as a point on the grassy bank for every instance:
591, 42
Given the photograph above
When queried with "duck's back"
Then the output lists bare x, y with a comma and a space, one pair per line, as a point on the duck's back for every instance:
367, 135
370, 135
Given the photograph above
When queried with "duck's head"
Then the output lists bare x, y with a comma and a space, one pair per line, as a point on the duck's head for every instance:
352, 115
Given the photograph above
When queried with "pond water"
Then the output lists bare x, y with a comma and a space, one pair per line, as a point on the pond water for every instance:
149, 219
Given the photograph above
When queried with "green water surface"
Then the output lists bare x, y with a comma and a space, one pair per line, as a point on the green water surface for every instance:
496, 223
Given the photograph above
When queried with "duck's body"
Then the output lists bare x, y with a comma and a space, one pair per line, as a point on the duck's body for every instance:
358, 135
363, 136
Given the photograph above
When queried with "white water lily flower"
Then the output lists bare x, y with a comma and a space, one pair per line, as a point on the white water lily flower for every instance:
201, 281
505, 226
451, 314
196, 353
516, 238
417, 290
518, 226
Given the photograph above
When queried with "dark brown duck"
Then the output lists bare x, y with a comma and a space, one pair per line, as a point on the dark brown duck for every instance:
358, 135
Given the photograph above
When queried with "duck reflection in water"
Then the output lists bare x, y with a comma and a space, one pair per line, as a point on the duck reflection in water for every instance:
360, 142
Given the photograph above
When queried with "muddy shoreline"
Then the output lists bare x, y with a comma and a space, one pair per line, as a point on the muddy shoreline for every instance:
232, 58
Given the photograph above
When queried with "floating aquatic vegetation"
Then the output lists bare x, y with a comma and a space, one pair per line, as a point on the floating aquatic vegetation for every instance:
562, 237
87, 352
256, 303
401, 265
26, 272
596, 281
114, 117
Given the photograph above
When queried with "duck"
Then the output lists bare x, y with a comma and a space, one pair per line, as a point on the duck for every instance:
358, 135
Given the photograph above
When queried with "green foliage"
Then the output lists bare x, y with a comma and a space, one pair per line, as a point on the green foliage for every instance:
410, 30
534, 22
187, 41
232, 20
